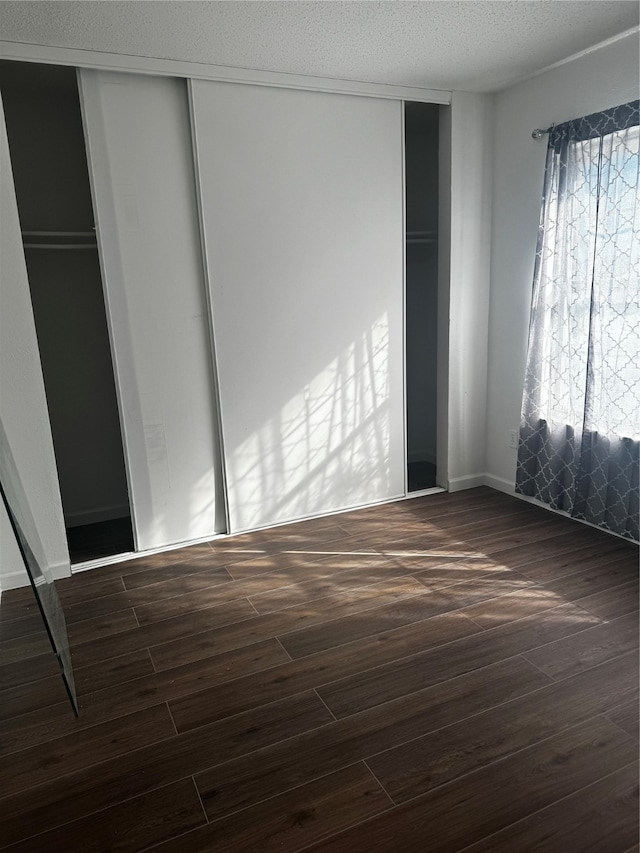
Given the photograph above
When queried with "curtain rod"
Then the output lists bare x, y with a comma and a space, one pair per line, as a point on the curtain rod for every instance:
537, 133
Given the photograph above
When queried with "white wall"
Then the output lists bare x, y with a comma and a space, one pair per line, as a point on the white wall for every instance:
469, 125
599, 80
23, 407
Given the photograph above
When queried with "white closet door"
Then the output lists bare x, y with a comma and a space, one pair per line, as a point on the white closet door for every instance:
302, 205
141, 166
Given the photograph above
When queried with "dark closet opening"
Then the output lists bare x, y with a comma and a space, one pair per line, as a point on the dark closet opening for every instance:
48, 157
421, 283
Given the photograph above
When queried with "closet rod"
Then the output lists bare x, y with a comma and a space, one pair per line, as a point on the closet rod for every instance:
60, 246
422, 236
59, 233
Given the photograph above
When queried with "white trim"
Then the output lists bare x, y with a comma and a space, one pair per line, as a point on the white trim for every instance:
76, 568
106, 61
508, 487
623, 35
100, 513
113, 559
500, 484
420, 493
221, 503
16, 580
456, 485
470, 481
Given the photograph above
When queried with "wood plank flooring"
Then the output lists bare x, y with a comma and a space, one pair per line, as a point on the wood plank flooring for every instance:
449, 673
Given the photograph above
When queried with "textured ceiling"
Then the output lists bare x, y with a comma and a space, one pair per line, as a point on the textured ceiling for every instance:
473, 45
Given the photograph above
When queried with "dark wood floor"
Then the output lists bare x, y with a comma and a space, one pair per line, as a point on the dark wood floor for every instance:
455, 672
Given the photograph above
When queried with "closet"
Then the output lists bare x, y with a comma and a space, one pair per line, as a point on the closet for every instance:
121, 312
252, 355
49, 164
421, 292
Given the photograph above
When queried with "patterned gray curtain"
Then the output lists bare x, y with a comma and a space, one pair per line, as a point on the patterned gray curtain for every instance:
580, 428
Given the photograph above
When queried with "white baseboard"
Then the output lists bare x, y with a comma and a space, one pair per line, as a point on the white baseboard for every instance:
506, 486
15, 580
500, 484
101, 513
470, 481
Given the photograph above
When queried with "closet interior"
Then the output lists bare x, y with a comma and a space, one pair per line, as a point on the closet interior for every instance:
421, 295
47, 149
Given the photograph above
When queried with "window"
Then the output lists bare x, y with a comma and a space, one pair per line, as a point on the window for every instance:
580, 426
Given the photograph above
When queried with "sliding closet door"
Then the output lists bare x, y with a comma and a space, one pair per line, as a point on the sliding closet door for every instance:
141, 166
301, 196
